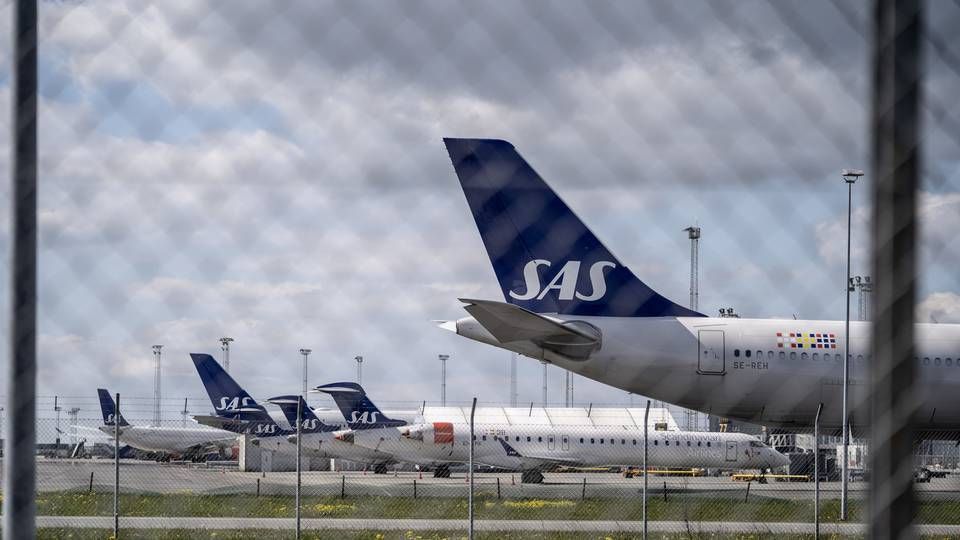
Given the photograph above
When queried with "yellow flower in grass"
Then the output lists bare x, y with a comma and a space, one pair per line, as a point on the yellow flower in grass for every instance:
535, 504
333, 508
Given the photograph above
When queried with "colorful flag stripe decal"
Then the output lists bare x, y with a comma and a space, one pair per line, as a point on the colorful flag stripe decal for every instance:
810, 340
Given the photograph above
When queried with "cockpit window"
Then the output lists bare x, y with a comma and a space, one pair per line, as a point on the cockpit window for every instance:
756, 444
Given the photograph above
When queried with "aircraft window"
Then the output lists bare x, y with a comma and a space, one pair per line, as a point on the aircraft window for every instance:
699, 443
769, 355
549, 439
793, 355
837, 357
565, 440
756, 444
949, 361
601, 441
623, 441
859, 361
736, 352
474, 438
747, 353
484, 437
634, 442
688, 443
804, 356
708, 444
528, 438
656, 442
539, 439
783, 355
581, 440
518, 438
760, 355
936, 361
926, 360
666, 442
591, 441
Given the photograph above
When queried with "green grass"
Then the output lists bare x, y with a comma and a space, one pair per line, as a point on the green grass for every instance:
626, 509
154, 534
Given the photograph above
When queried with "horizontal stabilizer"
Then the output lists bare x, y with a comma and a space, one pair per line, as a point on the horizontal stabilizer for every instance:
509, 323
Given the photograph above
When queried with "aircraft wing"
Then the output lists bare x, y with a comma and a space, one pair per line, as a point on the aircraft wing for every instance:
509, 323
219, 422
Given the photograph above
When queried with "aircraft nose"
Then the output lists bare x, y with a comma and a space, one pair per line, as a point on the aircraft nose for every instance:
779, 459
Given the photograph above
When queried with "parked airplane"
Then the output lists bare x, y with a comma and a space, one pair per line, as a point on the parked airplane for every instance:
436, 441
178, 441
571, 302
237, 410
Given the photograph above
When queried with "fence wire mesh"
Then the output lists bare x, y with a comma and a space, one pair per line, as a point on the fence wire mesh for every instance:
272, 177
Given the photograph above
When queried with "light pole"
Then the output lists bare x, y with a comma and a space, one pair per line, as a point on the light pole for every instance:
305, 353
850, 177
443, 379
359, 360
156, 384
56, 409
513, 379
544, 384
225, 347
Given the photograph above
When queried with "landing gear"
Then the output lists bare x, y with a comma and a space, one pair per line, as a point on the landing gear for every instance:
380, 468
442, 471
531, 476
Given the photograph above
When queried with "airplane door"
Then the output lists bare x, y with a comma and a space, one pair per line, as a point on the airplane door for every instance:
551, 442
565, 443
711, 358
266, 461
731, 451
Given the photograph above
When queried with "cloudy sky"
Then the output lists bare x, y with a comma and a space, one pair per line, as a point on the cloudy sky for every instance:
275, 173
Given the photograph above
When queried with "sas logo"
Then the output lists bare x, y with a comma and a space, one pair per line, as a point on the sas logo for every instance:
265, 429
309, 424
564, 281
233, 404
366, 417
111, 418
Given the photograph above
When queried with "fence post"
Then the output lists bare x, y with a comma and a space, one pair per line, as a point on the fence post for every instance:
343, 486
583, 490
90, 488
473, 410
646, 418
116, 469
299, 438
258, 487
897, 155
498, 488
19, 506
414, 488
747, 495
816, 473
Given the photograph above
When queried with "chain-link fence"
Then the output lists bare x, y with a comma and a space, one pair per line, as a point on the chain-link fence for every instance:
288, 180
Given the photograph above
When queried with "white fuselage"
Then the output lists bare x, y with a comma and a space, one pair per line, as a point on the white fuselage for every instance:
583, 446
172, 440
742, 368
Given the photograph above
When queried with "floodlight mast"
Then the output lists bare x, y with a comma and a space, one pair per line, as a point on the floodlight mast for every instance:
225, 347
850, 176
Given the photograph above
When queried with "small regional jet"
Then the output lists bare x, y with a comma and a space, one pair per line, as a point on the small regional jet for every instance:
531, 448
184, 442
569, 301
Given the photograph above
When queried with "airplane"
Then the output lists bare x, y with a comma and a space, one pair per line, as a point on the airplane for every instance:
237, 410
177, 441
318, 437
530, 448
570, 302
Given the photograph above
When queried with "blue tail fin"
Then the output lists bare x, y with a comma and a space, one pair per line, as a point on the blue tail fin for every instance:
356, 407
228, 398
546, 259
309, 423
109, 409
